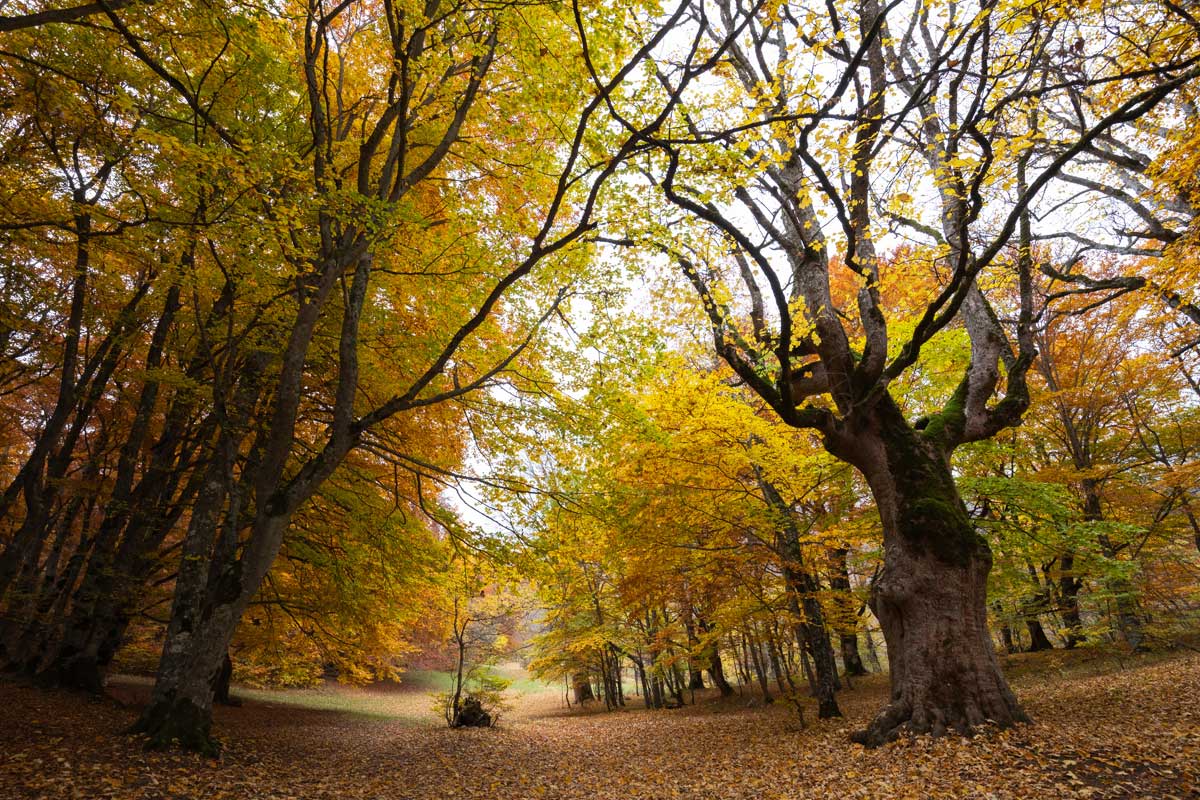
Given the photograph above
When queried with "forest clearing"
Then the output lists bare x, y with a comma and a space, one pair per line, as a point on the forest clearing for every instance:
1107, 728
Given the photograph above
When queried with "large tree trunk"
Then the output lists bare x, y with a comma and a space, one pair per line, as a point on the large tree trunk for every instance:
197, 644
931, 595
212, 590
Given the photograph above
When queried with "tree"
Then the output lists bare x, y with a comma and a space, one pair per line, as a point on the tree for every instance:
370, 156
819, 128
483, 604
109, 221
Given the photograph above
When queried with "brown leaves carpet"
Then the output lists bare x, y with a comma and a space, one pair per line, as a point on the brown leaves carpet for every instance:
1116, 729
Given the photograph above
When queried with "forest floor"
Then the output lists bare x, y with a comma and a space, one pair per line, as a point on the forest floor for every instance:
1105, 727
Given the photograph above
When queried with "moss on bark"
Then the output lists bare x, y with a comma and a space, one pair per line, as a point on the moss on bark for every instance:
931, 515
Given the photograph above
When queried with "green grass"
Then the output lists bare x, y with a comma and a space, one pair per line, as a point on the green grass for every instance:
409, 701
368, 705
443, 681
427, 680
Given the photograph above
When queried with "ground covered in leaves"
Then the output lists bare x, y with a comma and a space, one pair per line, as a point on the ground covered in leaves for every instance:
1104, 727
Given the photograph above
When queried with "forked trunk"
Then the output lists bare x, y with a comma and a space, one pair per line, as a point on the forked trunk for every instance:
716, 671
180, 710
1038, 640
209, 600
930, 598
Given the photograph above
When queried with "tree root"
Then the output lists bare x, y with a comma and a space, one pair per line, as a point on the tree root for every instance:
177, 723
898, 719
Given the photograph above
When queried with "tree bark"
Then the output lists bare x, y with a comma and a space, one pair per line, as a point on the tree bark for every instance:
716, 671
930, 597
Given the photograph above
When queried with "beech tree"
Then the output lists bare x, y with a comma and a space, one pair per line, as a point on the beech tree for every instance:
826, 130
112, 226
392, 96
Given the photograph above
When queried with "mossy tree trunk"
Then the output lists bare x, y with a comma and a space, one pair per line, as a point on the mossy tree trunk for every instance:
930, 597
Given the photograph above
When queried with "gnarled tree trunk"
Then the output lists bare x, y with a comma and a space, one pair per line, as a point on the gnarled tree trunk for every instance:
930, 597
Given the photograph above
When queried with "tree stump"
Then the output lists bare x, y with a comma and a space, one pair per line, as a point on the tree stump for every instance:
472, 715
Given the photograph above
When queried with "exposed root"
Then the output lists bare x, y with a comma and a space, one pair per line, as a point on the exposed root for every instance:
898, 719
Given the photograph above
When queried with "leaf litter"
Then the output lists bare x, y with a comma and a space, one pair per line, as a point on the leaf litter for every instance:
1130, 730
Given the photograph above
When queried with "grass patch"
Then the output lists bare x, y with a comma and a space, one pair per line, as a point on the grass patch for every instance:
337, 699
410, 700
